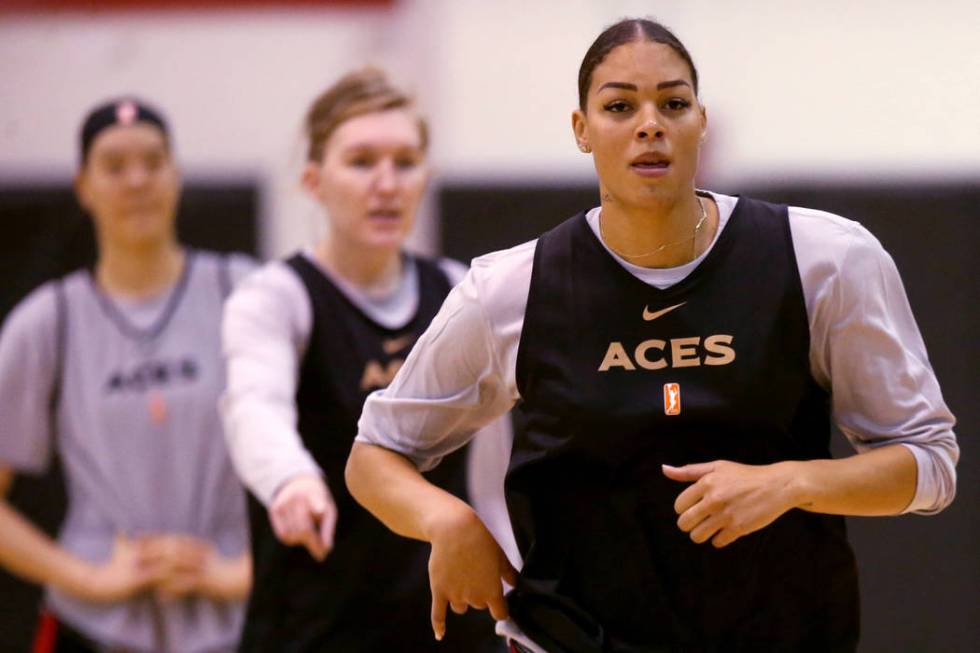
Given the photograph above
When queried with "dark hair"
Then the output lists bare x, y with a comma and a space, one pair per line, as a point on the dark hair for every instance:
122, 111
628, 30
357, 93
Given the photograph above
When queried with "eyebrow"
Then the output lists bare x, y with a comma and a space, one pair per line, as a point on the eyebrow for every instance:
632, 87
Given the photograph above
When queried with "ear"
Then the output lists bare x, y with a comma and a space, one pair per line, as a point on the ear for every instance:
80, 184
581, 131
179, 180
704, 122
310, 179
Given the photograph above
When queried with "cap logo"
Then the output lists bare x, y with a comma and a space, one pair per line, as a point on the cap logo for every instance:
126, 113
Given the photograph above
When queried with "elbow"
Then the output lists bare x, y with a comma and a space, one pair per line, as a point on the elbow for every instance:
945, 459
936, 478
353, 472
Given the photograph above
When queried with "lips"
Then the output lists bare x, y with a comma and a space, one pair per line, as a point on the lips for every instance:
650, 164
385, 214
651, 160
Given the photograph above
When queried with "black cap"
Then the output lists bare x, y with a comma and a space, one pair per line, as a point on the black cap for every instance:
124, 111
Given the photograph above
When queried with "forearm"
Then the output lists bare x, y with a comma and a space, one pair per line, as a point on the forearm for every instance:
264, 445
241, 585
231, 580
878, 482
390, 487
29, 553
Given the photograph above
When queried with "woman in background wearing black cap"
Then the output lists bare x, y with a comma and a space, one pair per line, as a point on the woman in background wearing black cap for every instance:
120, 366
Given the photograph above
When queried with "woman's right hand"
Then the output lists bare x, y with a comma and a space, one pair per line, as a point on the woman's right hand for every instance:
466, 567
303, 512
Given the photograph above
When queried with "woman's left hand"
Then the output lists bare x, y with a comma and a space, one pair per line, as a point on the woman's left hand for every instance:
195, 566
728, 500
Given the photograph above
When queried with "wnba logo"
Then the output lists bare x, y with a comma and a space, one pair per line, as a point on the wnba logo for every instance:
672, 399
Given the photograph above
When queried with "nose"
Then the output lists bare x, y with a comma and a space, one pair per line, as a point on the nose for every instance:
649, 127
137, 176
386, 180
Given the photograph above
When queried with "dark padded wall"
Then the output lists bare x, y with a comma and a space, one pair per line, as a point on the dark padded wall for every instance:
919, 576
45, 235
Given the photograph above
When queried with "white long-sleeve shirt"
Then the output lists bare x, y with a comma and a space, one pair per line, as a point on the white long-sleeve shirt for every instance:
266, 328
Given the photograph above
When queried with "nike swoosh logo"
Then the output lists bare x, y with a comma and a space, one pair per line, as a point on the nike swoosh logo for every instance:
649, 317
395, 345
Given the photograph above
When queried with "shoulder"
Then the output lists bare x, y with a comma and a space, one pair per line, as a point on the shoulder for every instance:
826, 240
827, 231
840, 262
240, 266
271, 302
275, 283
237, 265
502, 279
453, 269
34, 319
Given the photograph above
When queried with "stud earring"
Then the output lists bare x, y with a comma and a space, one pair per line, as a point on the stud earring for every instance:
584, 148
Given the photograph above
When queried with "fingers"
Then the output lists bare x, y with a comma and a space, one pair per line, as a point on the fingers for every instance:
438, 615
707, 528
508, 573
688, 498
328, 524
180, 552
725, 537
309, 537
458, 608
688, 473
302, 513
498, 608
293, 524
177, 585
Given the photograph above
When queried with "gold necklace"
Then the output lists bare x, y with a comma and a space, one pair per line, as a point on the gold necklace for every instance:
693, 237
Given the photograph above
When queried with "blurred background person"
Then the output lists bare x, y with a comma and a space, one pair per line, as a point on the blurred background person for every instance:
307, 339
119, 369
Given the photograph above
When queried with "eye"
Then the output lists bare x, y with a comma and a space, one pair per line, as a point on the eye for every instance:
154, 162
113, 166
361, 161
677, 104
617, 106
406, 162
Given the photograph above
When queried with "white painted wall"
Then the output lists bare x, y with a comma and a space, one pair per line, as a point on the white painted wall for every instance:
795, 90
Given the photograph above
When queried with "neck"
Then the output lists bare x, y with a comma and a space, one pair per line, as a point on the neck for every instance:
663, 235
376, 271
138, 272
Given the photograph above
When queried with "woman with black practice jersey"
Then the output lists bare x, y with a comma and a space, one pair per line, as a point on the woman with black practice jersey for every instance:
679, 354
306, 340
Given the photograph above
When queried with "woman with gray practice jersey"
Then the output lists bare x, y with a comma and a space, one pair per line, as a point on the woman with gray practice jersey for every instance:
119, 368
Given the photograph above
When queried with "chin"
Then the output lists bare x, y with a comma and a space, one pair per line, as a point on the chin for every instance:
147, 234
385, 238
